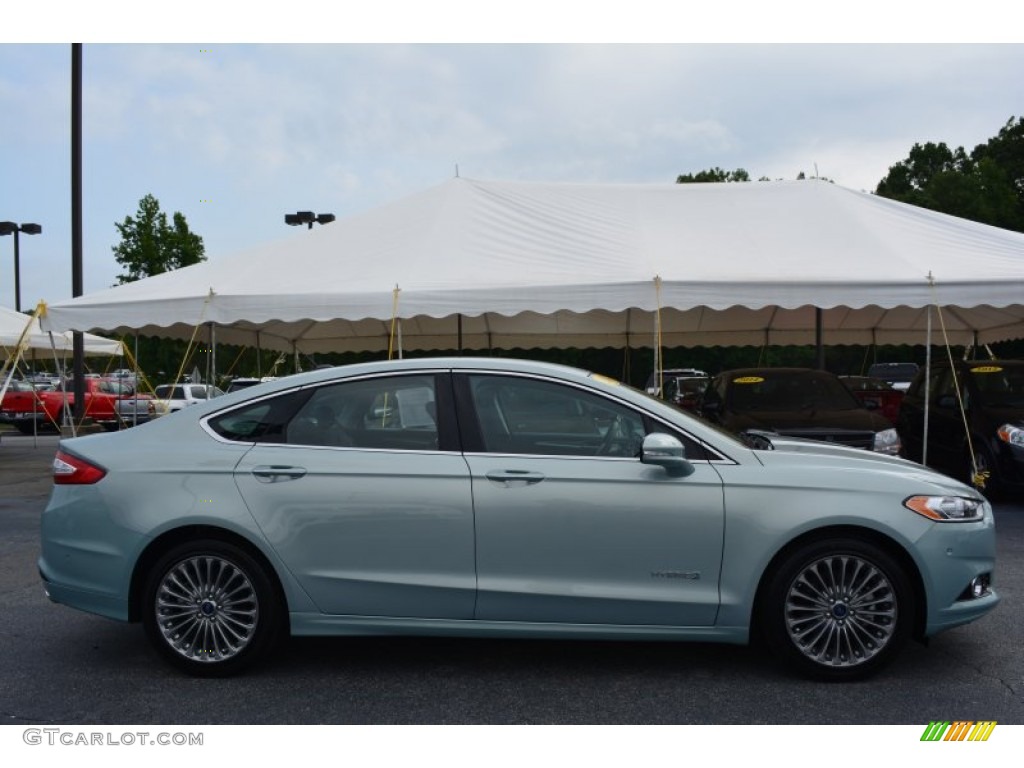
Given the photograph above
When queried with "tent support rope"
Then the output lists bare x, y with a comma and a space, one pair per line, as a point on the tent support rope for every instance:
394, 322
977, 478
659, 363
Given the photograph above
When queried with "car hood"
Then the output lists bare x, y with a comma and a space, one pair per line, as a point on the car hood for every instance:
814, 455
793, 421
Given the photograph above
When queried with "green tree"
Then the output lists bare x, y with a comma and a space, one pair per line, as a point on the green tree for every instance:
713, 175
150, 246
986, 185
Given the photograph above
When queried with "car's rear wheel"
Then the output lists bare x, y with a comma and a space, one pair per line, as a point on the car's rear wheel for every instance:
210, 609
837, 609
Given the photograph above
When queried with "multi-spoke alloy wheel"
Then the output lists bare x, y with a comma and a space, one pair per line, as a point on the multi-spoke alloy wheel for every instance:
837, 609
841, 611
210, 608
206, 609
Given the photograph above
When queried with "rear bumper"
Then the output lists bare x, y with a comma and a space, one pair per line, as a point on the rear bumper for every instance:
84, 599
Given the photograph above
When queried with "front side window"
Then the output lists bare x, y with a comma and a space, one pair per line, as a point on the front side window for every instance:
529, 416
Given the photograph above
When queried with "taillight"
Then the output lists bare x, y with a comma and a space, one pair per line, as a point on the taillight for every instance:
71, 470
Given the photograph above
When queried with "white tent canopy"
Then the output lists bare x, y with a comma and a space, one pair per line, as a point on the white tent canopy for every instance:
13, 327
517, 264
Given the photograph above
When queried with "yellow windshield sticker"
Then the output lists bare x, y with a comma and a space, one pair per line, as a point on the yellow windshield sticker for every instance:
748, 380
605, 380
987, 369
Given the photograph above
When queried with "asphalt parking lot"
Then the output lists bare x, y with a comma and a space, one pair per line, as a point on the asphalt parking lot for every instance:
62, 666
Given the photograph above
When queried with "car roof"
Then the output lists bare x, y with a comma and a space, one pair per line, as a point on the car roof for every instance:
944, 363
772, 371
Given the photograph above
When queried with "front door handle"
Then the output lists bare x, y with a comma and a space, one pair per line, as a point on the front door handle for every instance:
514, 478
276, 473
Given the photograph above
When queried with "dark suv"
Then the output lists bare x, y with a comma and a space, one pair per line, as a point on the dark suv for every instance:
795, 402
993, 401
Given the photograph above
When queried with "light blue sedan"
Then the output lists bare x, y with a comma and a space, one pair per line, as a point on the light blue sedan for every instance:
493, 497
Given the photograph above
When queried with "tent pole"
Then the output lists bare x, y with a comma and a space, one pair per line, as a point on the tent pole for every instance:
927, 386
138, 380
818, 315
211, 356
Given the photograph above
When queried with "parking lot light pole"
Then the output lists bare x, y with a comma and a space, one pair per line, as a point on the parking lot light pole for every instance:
308, 218
10, 228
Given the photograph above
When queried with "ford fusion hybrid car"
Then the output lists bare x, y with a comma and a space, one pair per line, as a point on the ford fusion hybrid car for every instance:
491, 497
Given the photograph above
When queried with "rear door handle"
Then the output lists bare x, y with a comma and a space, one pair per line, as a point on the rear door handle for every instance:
514, 478
275, 473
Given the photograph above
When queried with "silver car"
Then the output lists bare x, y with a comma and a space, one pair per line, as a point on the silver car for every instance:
496, 497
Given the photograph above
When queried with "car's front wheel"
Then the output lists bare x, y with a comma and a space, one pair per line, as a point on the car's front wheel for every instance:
837, 609
210, 608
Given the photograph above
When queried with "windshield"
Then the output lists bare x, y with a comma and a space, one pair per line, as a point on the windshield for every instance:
167, 392
893, 371
999, 385
777, 391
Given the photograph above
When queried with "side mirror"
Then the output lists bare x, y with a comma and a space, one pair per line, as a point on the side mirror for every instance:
666, 451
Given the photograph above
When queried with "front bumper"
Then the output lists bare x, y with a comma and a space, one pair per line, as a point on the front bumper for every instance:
952, 556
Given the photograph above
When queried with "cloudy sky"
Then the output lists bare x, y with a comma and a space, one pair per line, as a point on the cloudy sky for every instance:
235, 135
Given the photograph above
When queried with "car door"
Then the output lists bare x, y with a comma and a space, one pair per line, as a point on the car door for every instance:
366, 498
946, 433
570, 525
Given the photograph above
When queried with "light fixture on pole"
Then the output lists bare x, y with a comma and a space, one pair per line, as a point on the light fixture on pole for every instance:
10, 228
308, 218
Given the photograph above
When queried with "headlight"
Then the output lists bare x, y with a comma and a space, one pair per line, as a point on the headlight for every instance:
955, 509
1011, 434
887, 441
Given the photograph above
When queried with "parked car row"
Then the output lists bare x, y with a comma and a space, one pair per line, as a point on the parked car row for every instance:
112, 403
975, 425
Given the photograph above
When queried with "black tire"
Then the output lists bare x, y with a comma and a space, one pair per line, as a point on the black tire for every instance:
29, 427
210, 609
837, 609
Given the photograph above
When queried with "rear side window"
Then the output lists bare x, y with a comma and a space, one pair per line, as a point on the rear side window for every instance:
264, 421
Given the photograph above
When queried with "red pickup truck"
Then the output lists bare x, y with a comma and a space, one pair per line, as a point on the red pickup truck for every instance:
876, 394
110, 402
